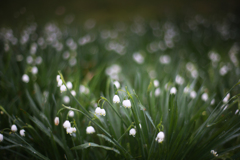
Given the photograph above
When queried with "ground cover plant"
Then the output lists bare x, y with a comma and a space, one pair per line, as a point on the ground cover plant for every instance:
144, 89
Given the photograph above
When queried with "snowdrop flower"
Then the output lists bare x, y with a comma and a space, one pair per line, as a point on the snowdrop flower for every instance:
66, 124
223, 71
1, 137
74, 129
186, 90
83, 89
116, 99
63, 88
165, 59
90, 130
58, 78
71, 113
138, 58
157, 92
25, 78
193, 94
73, 93
59, 83
156, 83
160, 137
103, 112
14, 128
214, 153
38, 60
132, 132
225, 100
179, 80
34, 70
66, 99
126, 103
98, 111
69, 130
29, 59
22, 132
56, 121
212, 102
117, 84
69, 85
173, 90
204, 97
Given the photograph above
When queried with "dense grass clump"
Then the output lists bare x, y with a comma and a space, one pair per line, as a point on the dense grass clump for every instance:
158, 89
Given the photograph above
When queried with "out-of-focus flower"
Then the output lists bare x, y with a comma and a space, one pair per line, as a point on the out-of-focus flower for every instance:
34, 70
116, 99
165, 59
132, 132
179, 80
25, 78
56, 121
90, 130
193, 94
63, 88
225, 100
204, 97
173, 90
157, 92
1, 137
71, 114
126, 103
14, 128
73, 93
138, 58
66, 99
22, 132
66, 124
160, 137
117, 84
69, 85
156, 83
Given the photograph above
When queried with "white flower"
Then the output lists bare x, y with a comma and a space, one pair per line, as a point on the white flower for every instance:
38, 60
69, 85
157, 92
138, 58
179, 80
1, 137
223, 71
156, 83
236, 111
69, 130
90, 130
83, 89
66, 99
186, 90
98, 111
116, 99
59, 83
165, 59
126, 103
74, 129
173, 90
25, 78
193, 94
71, 114
14, 128
160, 137
132, 132
67, 124
103, 112
58, 78
73, 93
56, 121
117, 84
34, 70
204, 97
63, 88
22, 132
225, 100
212, 102
29, 59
